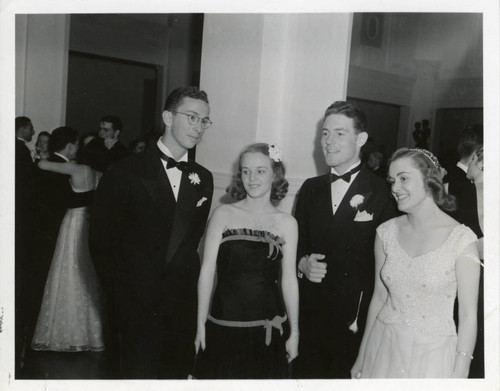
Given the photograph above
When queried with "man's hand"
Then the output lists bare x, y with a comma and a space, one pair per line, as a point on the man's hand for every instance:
314, 271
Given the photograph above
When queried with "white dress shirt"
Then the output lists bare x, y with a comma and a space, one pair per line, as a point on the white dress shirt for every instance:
340, 187
174, 174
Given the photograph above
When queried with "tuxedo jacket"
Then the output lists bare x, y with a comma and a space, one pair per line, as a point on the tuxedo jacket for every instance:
347, 241
465, 193
144, 243
25, 178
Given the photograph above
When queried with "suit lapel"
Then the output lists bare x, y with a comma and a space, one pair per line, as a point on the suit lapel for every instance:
156, 183
324, 207
186, 206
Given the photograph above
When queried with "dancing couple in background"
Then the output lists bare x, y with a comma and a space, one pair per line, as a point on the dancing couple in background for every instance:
72, 309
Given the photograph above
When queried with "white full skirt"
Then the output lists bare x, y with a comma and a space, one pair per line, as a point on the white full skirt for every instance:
71, 314
398, 351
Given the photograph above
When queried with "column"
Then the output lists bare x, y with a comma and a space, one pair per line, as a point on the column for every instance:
269, 78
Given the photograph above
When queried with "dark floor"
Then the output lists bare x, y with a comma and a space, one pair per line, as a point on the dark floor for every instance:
73, 365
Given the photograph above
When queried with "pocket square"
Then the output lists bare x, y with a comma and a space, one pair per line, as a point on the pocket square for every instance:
363, 216
201, 201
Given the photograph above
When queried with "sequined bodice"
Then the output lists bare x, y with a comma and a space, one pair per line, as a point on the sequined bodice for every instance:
248, 273
422, 289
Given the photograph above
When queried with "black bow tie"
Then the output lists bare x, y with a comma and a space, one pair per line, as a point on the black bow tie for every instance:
172, 163
346, 176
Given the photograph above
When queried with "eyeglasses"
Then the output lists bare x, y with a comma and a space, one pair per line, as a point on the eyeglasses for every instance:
194, 119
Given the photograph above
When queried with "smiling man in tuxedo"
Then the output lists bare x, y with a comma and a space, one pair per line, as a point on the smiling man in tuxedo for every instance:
149, 214
337, 214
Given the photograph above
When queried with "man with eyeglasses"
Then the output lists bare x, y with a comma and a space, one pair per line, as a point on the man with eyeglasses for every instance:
149, 213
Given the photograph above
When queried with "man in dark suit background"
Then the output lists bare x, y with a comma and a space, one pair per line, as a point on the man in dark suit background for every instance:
458, 185
149, 213
25, 185
24, 213
106, 149
337, 214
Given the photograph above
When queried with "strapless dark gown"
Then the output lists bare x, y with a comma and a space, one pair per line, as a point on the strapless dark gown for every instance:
71, 313
244, 332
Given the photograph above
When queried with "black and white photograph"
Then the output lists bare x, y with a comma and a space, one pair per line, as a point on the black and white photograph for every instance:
231, 196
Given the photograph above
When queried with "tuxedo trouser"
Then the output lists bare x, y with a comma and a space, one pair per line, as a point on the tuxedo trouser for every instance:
327, 349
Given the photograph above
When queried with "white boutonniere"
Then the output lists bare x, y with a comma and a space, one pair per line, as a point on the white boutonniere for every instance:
355, 202
201, 201
194, 178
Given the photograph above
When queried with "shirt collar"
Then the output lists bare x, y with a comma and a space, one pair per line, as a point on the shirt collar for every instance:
23, 140
61, 156
112, 145
333, 171
162, 147
462, 166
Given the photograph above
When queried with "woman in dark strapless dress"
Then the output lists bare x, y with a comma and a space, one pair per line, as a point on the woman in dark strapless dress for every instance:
251, 330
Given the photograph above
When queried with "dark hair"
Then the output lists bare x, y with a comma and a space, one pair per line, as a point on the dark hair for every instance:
469, 140
22, 122
61, 137
350, 110
115, 121
479, 153
280, 184
44, 133
86, 135
136, 141
432, 175
88, 153
175, 98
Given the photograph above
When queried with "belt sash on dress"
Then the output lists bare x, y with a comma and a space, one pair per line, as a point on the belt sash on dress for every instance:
276, 322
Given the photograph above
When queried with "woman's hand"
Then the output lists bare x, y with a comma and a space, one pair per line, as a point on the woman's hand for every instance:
200, 339
462, 365
292, 346
356, 369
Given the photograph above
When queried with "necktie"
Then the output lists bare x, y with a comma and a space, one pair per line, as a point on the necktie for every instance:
345, 176
172, 163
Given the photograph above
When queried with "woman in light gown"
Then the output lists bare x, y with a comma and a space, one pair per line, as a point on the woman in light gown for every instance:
71, 314
422, 259
251, 245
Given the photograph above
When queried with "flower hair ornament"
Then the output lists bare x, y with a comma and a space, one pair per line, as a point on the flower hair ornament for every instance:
435, 162
275, 153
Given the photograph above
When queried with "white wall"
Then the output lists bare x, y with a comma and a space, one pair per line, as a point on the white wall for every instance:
270, 78
41, 69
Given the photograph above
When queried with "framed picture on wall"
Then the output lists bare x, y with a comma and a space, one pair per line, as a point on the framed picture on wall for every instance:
372, 29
